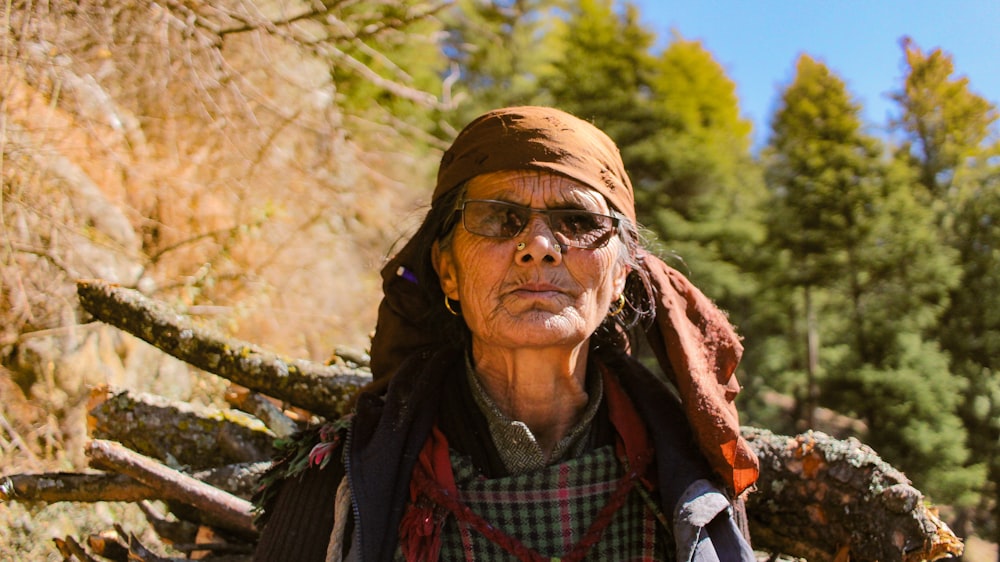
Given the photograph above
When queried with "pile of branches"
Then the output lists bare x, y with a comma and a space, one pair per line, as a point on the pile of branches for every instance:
818, 498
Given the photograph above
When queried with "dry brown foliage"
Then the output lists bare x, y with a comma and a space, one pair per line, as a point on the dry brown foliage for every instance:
196, 151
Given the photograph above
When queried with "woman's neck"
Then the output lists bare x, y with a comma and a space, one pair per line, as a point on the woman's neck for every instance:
543, 388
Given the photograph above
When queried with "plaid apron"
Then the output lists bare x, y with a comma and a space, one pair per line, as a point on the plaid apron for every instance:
549, 510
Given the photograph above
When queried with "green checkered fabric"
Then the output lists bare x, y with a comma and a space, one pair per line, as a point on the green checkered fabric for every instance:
549, 510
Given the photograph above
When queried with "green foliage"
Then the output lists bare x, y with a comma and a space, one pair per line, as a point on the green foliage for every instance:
824, 173
697, 187
909, 411
943, 122
948, 140
900, 274
972, 328
499, 50
880, 276
600, 71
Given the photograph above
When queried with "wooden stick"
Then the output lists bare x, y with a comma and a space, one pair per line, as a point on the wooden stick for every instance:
73, 487
50, 487
222, 508
261, 408
322, 389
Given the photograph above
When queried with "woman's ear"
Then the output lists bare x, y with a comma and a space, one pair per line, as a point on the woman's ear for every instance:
444, 265
621, 276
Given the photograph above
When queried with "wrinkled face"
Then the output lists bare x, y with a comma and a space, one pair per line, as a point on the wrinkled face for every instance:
539, 295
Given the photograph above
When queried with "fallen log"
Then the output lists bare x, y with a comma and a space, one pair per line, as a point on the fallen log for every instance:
825, 499
223, 509
325, 390
177, 432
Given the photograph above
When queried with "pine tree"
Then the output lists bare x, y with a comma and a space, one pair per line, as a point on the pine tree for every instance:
819, 168
948, 139
943, 122
601, 70
874, 277
698, 188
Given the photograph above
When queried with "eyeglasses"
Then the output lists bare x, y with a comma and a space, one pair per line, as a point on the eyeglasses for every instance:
571, 227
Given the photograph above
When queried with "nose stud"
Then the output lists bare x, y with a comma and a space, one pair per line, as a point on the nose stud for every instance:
557, 247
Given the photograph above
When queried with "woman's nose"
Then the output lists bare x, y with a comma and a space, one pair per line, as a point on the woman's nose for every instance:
537, 241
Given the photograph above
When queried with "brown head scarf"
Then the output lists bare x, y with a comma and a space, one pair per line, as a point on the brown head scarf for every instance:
690, 334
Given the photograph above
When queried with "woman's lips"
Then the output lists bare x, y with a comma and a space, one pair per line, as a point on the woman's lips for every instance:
538, 290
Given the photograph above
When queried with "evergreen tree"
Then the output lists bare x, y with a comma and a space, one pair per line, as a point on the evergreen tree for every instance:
874, 278
698, 188
949, 141
820, 168
601, 70
970, 330
943, 122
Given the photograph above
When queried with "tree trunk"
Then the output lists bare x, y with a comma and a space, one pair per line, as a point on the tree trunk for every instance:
812, 360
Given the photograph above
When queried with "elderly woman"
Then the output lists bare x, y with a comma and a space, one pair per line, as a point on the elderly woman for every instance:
509, 419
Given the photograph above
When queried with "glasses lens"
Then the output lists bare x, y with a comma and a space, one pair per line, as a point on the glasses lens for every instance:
571, 227
494, 219
582, 229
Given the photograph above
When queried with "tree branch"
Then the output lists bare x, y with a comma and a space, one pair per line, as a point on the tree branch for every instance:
222, 508
241, 480
55, 487
321, 389
150, 425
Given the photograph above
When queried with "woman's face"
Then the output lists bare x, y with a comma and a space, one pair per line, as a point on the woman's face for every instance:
538, 296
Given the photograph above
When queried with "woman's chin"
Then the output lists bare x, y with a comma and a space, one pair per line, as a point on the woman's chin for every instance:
544, 329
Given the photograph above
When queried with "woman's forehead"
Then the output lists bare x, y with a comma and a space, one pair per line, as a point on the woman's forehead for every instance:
525, 186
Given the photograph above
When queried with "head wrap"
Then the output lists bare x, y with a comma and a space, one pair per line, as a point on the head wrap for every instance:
690, 334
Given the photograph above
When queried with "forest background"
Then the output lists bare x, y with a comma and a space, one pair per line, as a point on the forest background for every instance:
254, 162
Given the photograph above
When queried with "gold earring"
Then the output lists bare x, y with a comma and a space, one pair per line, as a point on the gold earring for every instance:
621, 306
521, 246
447, 304
557, 248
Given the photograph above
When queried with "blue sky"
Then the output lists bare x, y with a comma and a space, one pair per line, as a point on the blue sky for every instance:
758, 41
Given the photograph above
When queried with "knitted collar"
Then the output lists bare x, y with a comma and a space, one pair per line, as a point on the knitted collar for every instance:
515, 443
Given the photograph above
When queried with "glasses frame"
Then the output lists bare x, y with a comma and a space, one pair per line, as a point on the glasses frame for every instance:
601, 242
